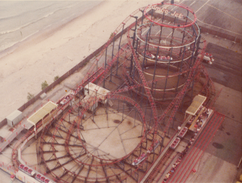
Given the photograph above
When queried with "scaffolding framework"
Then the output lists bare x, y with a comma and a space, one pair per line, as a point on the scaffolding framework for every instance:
149, 69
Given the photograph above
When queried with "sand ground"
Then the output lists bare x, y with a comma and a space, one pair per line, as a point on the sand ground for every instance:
55, 52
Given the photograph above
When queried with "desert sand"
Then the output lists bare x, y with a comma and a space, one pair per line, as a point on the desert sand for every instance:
55, 52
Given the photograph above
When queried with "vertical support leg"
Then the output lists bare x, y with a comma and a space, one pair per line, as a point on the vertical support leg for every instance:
153, 80
167, 77
119, 48
111, 72
180, 69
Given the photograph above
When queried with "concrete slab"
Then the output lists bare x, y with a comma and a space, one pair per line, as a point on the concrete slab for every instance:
227, 67
115, 134
29, 155
5, 131
227, 143
212, 169
224, 16
5, 178
229, 103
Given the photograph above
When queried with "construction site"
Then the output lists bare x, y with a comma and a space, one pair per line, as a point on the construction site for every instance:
144, 111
